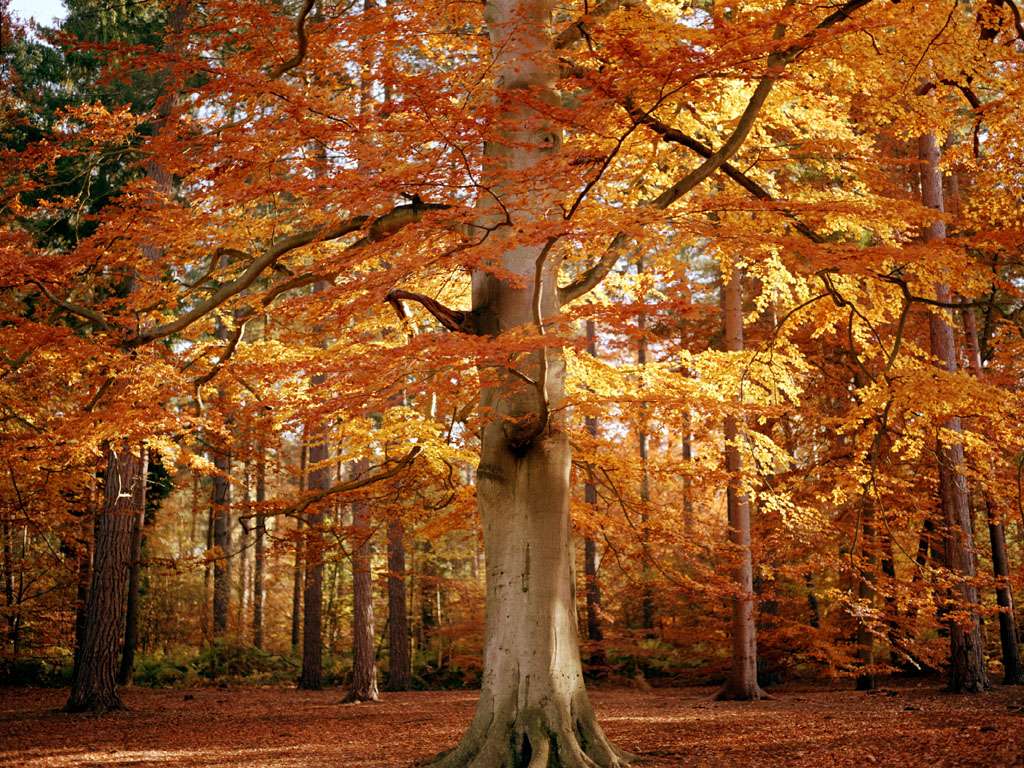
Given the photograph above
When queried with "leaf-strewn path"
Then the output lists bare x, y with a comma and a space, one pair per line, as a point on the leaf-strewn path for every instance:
670, 728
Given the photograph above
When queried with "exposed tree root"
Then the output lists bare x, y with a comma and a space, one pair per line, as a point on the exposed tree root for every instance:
547, 736
731, 693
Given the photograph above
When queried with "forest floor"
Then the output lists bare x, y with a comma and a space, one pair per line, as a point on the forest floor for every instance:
901, 725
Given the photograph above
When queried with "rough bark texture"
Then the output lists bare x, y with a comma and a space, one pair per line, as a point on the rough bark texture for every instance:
259, 553
647, 597
742, 681
297, 566
220, 502
131, 619
313, 593
364, 661
81, 590
866, 594
1013, 672
399, 659
94, 688
591, 556
533, 709
967, 654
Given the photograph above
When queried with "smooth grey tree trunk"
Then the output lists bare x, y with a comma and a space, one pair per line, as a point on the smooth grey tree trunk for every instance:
967, 653
533, 708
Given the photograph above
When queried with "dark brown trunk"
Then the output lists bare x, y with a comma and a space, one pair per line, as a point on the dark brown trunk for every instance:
591, 556
297, 567
220, 505
82, 587
967, 654
866, 595
94, 688
399, 661
1013, 673
244, 523
131, 622
364, 662
312, 596
647, 598
258, 548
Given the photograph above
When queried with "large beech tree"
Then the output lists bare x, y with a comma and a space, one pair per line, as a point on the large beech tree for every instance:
504, 159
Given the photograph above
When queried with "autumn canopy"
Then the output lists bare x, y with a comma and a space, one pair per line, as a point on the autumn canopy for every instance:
511, 345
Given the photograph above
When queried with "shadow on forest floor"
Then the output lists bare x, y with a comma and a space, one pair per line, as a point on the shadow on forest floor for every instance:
668, 727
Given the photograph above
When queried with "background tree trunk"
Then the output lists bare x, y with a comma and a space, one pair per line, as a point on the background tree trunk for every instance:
1013, 673
131, 623
591, 556
967, 654
258, 546
312, 598
220, 502
399, 660
742, 681
364, 662
299, 548
94, 688
647, 596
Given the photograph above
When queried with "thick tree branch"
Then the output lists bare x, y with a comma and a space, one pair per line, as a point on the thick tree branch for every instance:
301, 39
777, 62
578, 29
592, 277
452, 319
380, 228
355, 484
95, 317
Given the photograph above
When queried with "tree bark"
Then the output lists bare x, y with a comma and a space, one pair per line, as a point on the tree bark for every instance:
220, 502
313, 593
533, 708
131, 623
741, 685
94, 688
1013, 673
297, 567
591, 556
244, 518
364, 662
647, 596
866, 593
399, 660
259, 547
967, 654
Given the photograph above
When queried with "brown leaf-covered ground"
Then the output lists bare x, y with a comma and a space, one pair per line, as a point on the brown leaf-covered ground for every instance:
281, 727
